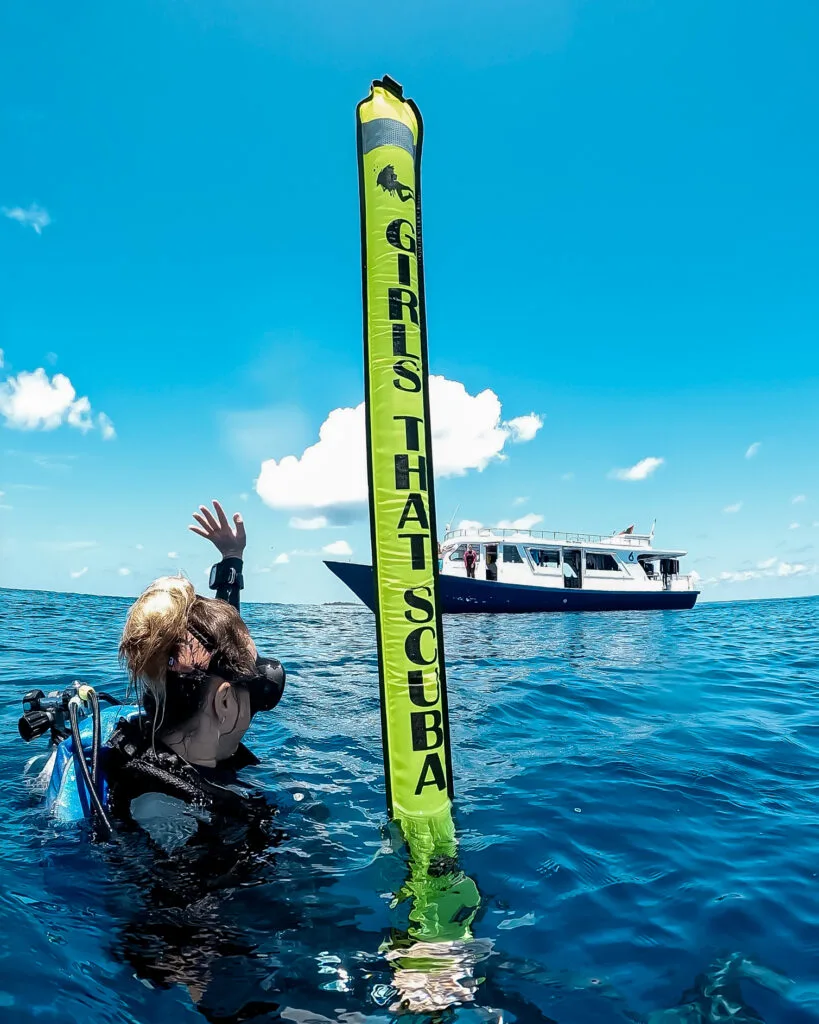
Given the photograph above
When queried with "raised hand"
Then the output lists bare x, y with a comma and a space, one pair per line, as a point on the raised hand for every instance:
219, 532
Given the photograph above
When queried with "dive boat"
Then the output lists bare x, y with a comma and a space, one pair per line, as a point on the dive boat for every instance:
543, 571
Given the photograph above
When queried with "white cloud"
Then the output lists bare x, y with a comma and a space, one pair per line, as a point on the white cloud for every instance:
739, 577
106, 427
816, 523
770, 567
640, 471
524, 523
469, 524
338, 547
798, 499
753, 449
731, 509
33, 216
173, 555
80, 572
787, 569
139, 547
525, 427
313, 523
520, 501
123, 571
794, 526
281, 559
468, 432
34, 401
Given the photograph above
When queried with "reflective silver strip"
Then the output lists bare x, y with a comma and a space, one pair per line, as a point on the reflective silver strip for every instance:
386, 131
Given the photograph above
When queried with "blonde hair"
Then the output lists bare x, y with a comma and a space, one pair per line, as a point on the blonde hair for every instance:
168, 616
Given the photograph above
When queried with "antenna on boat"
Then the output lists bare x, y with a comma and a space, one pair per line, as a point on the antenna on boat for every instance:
651, 535
452, 517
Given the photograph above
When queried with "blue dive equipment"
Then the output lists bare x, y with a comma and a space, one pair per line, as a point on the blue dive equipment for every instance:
79, 728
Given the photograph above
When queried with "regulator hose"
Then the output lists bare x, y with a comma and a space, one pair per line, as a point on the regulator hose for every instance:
80, 762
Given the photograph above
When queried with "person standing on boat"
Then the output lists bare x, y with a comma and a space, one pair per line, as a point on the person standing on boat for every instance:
470, 559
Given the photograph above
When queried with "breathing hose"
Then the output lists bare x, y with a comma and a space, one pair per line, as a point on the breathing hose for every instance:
79, 758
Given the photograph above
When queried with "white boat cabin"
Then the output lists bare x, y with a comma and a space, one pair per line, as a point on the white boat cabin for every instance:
537, 558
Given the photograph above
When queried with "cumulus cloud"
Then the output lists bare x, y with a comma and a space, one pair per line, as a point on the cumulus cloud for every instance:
753, 449
281, 559
469, 524
173, 555
468, 432
639, 471
789, 569
524, 428
123, 571
33, 216
106, 427
741, 576
80, 572
771, 567
794, 526
523, 523
313, 523
35, 401
520, 501
732, 509
798, 499
338, 547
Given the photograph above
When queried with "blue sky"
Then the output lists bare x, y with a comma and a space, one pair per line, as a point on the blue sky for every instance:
621, 238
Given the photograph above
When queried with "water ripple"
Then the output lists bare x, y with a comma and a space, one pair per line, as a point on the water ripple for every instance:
637, 802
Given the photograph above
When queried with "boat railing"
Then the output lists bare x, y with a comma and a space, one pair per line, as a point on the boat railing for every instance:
620, 539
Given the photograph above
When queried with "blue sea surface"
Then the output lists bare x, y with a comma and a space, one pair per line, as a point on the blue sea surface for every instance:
637, 802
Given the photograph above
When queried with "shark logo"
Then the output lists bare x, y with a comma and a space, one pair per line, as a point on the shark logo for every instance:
389, 182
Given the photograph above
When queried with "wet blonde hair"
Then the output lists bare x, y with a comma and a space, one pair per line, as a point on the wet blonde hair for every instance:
170, 618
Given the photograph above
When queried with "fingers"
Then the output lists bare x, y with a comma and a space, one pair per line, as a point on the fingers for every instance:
220, 512
204, 524
202, 533
241, 536
211, 521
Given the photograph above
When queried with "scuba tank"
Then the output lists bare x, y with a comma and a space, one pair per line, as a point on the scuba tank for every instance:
78, 727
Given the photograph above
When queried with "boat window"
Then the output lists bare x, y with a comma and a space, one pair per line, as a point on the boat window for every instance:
511, 553
545, 558
601, 562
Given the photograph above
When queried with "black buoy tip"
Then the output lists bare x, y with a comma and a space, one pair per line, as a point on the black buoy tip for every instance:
392, 86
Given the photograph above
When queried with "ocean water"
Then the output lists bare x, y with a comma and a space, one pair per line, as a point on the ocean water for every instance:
637, 802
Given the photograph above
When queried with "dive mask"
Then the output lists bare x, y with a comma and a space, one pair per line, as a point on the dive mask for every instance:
264, 688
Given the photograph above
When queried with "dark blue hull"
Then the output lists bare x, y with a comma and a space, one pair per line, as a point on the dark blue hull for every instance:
459, 594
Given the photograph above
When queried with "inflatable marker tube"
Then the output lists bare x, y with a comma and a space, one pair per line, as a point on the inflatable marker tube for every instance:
414, 716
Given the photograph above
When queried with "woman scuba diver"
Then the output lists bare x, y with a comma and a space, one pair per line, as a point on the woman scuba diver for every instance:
200, 680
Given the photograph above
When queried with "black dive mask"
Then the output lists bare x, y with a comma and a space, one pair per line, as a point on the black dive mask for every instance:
264, 687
